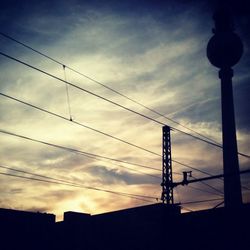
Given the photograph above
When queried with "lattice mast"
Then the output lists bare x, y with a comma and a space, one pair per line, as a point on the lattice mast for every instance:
167, 196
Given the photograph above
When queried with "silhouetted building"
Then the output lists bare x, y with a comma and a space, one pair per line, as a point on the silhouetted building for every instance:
151, 227
25, 230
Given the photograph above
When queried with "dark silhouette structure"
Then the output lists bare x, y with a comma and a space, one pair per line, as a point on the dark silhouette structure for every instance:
224, 50
152, 227
26, 230
167, 196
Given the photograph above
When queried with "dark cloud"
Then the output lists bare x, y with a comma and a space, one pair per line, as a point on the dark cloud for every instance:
16, 190
115, 176
204, 111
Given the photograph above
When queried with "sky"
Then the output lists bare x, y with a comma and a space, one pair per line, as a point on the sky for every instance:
153, 52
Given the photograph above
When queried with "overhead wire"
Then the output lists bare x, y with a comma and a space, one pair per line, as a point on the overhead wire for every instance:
54, 181
73, 184
203, 190
206, 184
70, 115
67, 83
64, 118
72, 150
201, 201
132, 169
219, 204
51, 178
215, 143
105, 86
88, 127
114, 103
78, 123
108, 100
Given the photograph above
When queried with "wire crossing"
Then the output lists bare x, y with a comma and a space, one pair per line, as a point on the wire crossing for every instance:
51, 113
72, 150
78, 151
70, 182
105, 86
80, 124
73, 121
107, 100
112, 102
78, 186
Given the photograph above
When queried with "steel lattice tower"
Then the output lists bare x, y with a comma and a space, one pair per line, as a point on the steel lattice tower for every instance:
167, 188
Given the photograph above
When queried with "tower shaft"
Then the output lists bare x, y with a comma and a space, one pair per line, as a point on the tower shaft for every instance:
224, 50
232, 185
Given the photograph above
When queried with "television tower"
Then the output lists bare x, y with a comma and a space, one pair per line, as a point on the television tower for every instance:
224, 50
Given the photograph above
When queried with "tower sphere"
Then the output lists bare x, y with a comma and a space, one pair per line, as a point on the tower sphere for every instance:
224, 49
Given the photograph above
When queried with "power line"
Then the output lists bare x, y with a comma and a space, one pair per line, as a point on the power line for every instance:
80, 124
133, 196
52, 178
119, 93
219, 204
38, 175
114, 103
203, 190
62, 117
206, 184
72, 184
72, 150
105, 86
98, 131
201, 201
107, 100
132, 169
163, 116
85, 125
193, 168
75, 151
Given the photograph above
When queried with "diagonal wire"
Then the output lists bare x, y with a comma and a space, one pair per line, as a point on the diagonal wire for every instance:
107, 100
71, 149
105, 86
78, 123
134, 196
85, 126
215, 189
115, 103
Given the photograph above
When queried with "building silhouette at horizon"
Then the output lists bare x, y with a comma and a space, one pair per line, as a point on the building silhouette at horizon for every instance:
156, 226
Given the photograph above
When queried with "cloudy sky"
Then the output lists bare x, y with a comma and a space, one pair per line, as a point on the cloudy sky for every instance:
153, 53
